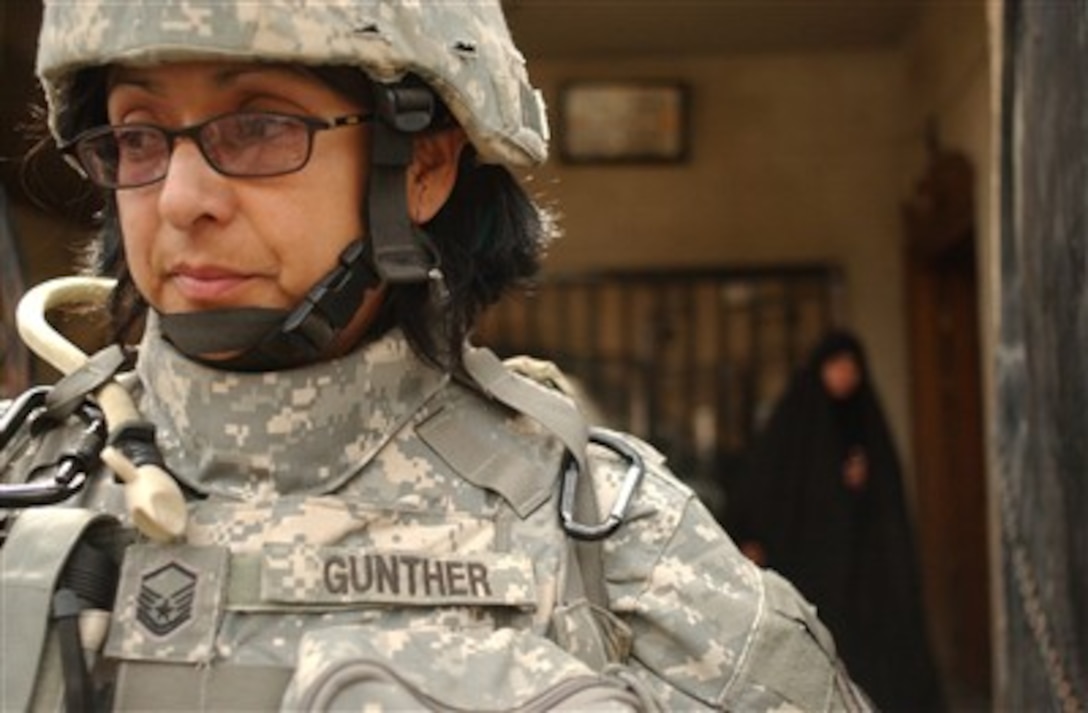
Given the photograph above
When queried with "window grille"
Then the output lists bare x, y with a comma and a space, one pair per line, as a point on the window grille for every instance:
689, 359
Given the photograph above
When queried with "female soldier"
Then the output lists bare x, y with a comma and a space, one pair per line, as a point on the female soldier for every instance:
306, 206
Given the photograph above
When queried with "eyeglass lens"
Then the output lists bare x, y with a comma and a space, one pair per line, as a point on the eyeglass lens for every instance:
235, 145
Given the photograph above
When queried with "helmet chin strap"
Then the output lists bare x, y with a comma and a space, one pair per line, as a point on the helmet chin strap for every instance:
263, 339
397, 252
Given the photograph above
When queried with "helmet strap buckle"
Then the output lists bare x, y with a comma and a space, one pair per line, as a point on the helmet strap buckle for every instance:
400, 251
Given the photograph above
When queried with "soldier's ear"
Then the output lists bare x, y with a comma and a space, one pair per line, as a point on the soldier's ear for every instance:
433, 172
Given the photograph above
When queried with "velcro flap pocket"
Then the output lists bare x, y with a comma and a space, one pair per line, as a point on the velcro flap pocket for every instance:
792, 653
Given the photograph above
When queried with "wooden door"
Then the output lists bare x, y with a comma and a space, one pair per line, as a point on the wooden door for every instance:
949, 459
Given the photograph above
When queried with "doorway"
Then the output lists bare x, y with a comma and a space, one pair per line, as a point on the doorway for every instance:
949, 456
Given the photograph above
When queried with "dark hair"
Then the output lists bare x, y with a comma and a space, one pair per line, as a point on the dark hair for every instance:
489, 237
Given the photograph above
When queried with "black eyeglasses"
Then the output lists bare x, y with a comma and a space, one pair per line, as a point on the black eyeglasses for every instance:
240, 144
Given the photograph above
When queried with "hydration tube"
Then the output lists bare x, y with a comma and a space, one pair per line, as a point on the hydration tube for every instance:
154, 500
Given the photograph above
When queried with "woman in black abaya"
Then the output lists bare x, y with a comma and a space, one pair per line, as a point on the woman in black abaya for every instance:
823, 504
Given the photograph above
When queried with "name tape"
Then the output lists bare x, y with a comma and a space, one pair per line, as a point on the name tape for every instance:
301, 574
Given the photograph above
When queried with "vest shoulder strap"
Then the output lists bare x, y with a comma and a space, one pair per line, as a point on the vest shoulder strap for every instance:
558, 413
32, 560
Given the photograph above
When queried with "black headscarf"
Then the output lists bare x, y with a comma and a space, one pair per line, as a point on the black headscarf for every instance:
850, 550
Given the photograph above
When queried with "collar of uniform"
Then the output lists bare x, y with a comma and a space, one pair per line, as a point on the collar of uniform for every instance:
305, 430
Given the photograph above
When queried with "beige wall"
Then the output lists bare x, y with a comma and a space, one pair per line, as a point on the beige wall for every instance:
793, 158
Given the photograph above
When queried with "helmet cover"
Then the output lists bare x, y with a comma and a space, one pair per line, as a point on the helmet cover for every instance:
461, 48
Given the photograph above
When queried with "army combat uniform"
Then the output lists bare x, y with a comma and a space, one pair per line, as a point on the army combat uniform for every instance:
369, 524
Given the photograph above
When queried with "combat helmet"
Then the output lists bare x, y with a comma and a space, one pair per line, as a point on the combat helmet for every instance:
462, 49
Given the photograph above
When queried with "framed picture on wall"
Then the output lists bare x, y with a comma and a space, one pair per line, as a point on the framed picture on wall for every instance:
623, 121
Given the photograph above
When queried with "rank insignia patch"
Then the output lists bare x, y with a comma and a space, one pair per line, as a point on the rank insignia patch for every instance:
165, 601
169, 603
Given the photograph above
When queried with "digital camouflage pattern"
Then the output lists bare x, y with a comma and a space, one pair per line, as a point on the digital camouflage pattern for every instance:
356, 404
396, 544
462, 48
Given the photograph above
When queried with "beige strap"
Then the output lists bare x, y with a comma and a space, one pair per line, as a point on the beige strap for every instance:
556, 414
148, 686
559, 416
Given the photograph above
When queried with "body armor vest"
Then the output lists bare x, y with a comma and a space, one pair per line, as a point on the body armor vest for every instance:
371, 531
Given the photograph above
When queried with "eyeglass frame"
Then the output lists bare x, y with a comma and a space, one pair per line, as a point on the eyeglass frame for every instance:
70, 149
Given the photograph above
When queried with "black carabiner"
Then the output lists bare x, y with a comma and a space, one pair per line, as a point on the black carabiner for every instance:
20, 411
71, 469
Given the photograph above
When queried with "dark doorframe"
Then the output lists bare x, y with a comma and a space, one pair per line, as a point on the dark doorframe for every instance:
949, 455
